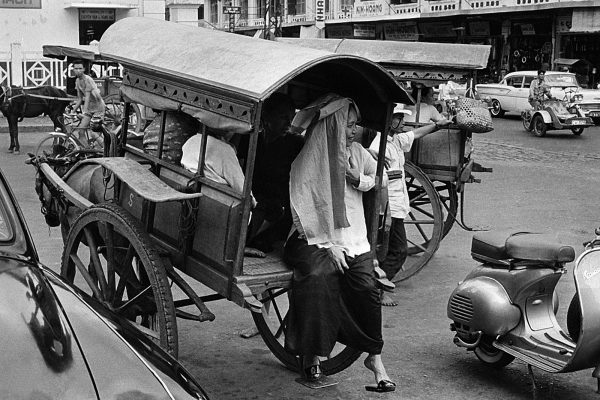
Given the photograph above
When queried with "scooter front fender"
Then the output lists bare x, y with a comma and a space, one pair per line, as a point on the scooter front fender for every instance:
545, 115
482, 304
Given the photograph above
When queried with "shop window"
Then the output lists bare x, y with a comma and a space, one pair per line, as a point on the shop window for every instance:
260, 9
244, 5
93, 23
214, 12
348, 4
297, 7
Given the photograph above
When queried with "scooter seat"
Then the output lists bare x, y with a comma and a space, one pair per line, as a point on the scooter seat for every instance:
502, 246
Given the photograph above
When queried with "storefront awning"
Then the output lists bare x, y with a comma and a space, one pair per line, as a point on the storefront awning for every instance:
121, 5
587, 20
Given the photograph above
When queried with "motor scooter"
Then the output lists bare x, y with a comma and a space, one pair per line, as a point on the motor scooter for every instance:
506, 307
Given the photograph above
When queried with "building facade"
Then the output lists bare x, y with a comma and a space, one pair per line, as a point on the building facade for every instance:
26, 25
523, 34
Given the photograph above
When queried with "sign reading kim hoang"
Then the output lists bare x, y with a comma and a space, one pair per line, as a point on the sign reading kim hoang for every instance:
20, 3
371, 7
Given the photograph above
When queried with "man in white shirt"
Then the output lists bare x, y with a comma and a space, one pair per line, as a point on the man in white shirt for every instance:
427, 111
398, 143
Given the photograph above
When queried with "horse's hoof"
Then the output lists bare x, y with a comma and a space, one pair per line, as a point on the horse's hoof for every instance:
9, 151
16, 152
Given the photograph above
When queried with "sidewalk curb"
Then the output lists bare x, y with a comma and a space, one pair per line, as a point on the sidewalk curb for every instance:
29, 129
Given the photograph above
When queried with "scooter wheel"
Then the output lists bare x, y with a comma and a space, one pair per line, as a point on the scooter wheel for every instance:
491, 356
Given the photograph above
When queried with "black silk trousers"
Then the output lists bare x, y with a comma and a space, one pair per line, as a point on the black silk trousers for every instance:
327, 306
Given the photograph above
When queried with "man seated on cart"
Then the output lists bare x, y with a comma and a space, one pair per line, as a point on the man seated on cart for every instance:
276, 149
427, 111
334, 295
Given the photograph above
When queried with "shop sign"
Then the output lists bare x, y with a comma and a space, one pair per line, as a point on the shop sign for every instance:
371, 8
20, 3
339, 31
401, 31
527, 29
364, 31
439, 30
479, 28
91, 14
320, 14
563, 23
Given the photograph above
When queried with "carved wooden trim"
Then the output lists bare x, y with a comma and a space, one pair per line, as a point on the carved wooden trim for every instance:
191, 96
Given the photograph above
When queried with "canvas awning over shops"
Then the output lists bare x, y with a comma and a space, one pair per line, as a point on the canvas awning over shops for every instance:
585, 20
117, 4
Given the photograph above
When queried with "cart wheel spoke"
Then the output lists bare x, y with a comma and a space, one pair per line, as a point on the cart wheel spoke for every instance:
131, 279
110, 260
95, 261
86, 276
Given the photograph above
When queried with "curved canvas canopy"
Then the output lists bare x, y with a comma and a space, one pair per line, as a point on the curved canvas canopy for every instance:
230, 74
423, 54
417, 61
81, 52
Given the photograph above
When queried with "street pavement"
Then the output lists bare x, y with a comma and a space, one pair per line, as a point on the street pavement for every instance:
540, 184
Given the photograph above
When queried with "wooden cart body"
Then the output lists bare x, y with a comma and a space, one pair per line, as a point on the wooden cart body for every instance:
221, 79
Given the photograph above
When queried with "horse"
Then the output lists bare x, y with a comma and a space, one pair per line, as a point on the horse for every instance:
17, 103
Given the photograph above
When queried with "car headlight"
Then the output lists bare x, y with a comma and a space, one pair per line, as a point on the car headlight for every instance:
572, 110
577, 97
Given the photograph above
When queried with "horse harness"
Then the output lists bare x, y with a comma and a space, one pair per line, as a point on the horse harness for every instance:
8, 98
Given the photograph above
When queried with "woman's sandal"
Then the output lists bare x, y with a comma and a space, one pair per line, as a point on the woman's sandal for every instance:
383, 386
312, 373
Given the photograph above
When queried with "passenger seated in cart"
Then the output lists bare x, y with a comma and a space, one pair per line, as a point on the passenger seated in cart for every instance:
398, 143
221, 165
334, 295
427, 111
276, 149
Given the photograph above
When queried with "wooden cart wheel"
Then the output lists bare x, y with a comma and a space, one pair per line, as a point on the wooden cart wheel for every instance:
425, 223
449, 197
114, 114
271, 324
109, 256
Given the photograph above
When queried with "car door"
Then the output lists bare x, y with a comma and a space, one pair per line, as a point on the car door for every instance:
514, 83
522, 98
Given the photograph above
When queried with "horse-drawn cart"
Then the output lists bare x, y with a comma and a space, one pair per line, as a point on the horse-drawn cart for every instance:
108, 78
132, 222
439, 165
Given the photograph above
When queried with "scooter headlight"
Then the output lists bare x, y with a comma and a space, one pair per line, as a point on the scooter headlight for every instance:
577, 97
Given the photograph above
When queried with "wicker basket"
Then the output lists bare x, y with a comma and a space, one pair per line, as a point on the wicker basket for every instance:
476, 119
465, 103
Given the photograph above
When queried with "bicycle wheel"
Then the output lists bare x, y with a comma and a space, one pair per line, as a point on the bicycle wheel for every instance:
57, 146
114, 114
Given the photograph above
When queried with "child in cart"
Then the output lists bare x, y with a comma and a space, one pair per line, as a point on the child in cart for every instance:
399, 142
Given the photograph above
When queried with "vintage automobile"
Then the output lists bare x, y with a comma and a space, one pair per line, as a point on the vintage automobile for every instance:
512, 93
58, 343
